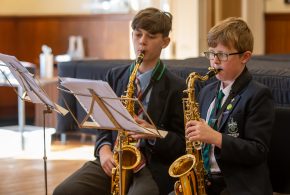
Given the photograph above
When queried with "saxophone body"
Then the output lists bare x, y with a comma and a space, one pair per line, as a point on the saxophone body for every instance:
131, 156
189, 168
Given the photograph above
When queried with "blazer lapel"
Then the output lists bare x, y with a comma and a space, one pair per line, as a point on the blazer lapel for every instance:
157, 100
123, 83
228, 111
208, 98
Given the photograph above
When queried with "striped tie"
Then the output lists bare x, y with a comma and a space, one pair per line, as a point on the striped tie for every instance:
138, 109
138, 112
214, 124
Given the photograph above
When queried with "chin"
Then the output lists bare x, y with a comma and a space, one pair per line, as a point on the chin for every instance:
219, 77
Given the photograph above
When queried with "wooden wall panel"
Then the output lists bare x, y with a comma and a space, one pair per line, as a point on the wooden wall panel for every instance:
277, 29
106, 36
7, 35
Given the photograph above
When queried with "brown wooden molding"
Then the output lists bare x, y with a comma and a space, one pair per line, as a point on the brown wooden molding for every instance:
277, 39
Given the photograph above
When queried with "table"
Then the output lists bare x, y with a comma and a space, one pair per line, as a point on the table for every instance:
49, 85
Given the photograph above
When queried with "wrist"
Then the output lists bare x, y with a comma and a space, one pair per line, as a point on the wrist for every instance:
217, 141
105, 149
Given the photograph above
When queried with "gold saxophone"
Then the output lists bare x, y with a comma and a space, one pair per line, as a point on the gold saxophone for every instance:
131, 156
189, 168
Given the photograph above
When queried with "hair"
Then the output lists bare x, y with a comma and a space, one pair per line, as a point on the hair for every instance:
232, 32
153, 20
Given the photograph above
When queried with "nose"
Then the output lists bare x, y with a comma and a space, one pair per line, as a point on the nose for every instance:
142, 39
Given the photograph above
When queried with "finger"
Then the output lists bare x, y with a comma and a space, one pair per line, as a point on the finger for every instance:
188, 124
108, 172
131, 133
189, 130
137, 136
191, 123
108, 168
137, 119
202, 120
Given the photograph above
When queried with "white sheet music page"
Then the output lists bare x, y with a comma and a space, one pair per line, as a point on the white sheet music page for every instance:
27, 82
80, 88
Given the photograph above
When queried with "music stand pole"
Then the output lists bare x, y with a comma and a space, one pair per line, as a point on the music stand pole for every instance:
121, 138
45, 111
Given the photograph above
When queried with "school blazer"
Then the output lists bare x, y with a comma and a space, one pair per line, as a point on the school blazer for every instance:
166, 111
246, 127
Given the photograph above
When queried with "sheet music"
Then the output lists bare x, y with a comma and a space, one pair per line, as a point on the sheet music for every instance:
28, 83
80, 88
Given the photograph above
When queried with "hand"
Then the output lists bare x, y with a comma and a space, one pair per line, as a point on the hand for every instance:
106, 159
142, 123
201, 131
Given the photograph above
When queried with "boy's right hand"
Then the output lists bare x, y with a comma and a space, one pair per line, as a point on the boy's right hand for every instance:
106, 159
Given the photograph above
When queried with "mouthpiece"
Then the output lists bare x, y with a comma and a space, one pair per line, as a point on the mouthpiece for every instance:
212, 72
140, 57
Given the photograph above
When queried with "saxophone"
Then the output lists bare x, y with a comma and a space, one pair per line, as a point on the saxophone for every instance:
131, 156
189, 168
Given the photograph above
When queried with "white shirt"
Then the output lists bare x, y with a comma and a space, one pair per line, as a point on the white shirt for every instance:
214, 168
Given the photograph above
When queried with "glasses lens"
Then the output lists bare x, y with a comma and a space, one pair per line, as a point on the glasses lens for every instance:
222, 56
209, 55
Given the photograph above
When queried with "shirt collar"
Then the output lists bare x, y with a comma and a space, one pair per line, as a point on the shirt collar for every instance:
226, 90
144, 78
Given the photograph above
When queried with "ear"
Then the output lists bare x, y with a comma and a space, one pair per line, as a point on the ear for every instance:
166, 41
246, 57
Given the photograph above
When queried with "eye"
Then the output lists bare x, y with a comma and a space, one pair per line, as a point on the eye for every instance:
151, 36
221, 55
138, 34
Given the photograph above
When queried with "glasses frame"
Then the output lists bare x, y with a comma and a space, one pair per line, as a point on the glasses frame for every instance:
206, 54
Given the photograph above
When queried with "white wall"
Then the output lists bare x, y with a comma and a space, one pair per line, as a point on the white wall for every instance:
276, 6
49, 7
40, 7
253, 14
185, 28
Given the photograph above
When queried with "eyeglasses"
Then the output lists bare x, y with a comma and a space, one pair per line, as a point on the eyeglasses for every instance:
220, 55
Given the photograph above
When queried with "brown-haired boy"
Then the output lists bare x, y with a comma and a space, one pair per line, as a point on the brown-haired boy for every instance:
162, 101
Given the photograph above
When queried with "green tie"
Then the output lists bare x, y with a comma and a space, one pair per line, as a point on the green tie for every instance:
213, 123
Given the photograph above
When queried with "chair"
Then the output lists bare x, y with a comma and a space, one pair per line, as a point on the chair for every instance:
279, 157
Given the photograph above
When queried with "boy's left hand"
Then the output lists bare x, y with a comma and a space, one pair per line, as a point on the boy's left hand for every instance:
142, 123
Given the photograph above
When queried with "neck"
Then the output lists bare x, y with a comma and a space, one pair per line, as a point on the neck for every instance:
147, 65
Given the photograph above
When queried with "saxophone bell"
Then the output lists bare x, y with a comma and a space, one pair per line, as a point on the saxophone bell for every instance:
189, 168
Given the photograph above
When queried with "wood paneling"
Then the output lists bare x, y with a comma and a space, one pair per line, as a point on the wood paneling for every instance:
7, 35
277, 28
106, 36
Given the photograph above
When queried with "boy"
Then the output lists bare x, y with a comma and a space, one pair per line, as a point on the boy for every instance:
163, 103
237, 134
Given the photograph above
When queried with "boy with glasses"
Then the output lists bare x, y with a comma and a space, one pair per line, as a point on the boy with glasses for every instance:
237, 135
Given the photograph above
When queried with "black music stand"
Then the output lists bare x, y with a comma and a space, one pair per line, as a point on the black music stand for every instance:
105, 110
32, 92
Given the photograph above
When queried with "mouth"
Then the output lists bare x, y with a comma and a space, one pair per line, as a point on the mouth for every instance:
141, 51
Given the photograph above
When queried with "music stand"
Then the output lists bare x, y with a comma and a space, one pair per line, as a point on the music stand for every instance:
105, 110
32, 92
